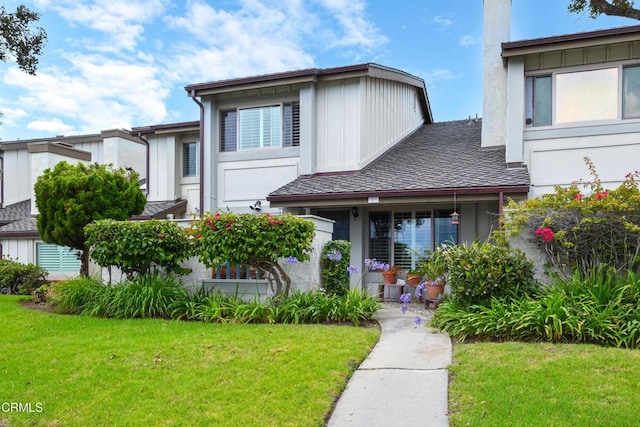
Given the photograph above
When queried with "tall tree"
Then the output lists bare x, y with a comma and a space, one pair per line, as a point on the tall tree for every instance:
69, 197
623, 8
19, 39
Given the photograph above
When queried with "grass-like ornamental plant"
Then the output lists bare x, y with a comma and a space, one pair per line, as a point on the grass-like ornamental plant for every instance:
257, 240
602, 307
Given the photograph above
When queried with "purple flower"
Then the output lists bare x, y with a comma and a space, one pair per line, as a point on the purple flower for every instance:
334, 255
291, 260
420, 289
405, 298
353, 269
417, 320
403, 309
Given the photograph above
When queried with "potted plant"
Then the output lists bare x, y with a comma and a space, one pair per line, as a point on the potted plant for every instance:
414, 276
390, 274
434, 269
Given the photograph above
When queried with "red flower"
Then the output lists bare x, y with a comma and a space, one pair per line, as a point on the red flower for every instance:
602, 194
217, 215
578, 196
545, 233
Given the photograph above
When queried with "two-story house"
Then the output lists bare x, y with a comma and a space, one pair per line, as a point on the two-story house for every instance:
357, 145
553, 101
22, 162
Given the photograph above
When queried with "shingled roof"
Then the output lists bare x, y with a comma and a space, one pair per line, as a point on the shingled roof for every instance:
438, 158
22, 224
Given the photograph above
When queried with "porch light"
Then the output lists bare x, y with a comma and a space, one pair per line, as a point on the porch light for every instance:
354, 212
455, 216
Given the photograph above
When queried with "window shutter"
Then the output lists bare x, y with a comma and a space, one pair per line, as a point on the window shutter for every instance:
57, 258
291, 126
190, 159
228, 130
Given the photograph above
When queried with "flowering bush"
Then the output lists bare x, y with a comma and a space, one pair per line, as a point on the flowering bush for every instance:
258, 240
584, 225
334, 264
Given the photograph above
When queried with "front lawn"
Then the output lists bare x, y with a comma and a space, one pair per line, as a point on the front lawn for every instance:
79, 371
540, 384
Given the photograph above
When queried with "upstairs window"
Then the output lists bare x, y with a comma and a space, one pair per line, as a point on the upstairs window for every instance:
582, 96
190, 159
270, 126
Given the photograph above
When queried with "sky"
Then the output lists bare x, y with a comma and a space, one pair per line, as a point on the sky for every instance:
124, 63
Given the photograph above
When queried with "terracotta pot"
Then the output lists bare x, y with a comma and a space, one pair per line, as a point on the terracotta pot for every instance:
414, 279
389, 278
433, 291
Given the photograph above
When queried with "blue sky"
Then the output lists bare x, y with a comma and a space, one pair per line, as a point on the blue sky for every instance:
124, 63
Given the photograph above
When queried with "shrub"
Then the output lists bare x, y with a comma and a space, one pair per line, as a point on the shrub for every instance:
138, 246
582, 229
483, 271
257, 240
334, 264
601, 307
18, 278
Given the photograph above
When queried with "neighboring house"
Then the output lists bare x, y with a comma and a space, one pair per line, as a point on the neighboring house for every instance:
24, 161
554, 100
357, 145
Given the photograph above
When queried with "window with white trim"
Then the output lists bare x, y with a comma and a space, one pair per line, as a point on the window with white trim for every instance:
560, 98
270, 126
190, 159
54, 258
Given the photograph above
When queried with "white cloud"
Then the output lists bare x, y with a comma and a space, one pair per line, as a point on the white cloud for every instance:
469, 40
9, 116
53, 126
356, 29
437, 75
443, 21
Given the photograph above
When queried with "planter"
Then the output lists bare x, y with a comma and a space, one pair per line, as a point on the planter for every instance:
389, 278
414, 279
434, 291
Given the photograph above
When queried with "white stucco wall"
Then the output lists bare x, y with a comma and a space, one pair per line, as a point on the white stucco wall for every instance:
121, 152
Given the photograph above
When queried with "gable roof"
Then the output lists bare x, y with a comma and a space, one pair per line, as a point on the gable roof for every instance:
15, 211
437, 159
314, 75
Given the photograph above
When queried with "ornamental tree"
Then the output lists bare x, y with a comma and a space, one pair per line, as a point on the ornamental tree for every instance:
19, 40
584, 225
257, 240
69, 197
138, 246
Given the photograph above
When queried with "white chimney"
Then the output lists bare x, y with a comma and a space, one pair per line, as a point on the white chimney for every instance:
496, 30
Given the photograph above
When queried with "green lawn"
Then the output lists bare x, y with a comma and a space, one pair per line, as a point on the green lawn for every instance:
525, 384
84, 371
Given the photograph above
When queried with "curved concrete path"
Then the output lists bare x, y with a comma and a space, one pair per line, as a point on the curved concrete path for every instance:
403, 381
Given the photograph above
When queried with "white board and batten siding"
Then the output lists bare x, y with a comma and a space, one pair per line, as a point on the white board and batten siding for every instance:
163, 168
17, 165
360, 118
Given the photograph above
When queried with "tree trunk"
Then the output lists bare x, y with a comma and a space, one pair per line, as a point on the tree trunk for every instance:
84, 262
278, 279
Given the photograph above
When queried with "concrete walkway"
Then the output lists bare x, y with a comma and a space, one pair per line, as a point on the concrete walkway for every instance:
404, 380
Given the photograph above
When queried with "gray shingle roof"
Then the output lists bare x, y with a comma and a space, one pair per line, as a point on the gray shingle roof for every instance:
437, 157
25, 225
15, 212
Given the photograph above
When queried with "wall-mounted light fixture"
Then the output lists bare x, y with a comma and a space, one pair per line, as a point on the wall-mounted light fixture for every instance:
354, 212
455, 216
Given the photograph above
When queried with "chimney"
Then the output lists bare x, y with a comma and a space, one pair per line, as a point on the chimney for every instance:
496, 30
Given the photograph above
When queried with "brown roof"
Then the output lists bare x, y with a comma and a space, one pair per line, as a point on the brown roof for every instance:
567, 41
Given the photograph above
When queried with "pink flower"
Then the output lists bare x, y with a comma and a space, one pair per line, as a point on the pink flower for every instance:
578, 196
545, 233
602, 194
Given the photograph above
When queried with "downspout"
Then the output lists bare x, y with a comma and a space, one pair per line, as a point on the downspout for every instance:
192, 95
146, 143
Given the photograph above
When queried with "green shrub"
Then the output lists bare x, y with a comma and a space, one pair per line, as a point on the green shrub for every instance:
580, 229
18, 278
601, 307
334, 264
483, 271
138, 246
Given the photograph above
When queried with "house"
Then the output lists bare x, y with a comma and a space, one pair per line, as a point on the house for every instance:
553, 101
356, 145
22, 162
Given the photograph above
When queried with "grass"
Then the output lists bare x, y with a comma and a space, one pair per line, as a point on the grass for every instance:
536, 384
96, 371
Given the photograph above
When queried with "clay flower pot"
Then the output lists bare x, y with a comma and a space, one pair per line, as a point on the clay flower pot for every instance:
435, 289
414, 279
389, 277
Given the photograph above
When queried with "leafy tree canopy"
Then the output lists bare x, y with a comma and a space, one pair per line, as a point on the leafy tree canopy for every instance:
623, 8
69, 197
19, 39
